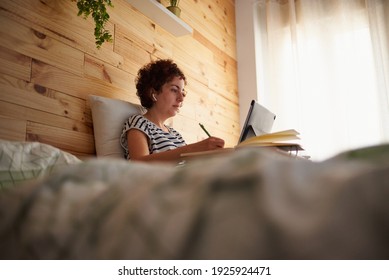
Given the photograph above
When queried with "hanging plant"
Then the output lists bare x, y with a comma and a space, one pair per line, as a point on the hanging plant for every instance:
98, 10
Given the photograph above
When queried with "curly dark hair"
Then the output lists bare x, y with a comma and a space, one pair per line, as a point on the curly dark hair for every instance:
153, 76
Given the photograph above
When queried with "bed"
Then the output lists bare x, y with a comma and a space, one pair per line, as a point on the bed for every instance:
247, 204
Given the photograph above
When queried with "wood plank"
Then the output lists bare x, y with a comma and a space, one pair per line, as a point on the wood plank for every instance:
58, 19
37, 45
225, 85
12, 129
81, 87
28, 114
70, 141
15, 64
215, 21
194, 58
104, 72
139, 30
132, 53
226, 108
40, 98
219, 56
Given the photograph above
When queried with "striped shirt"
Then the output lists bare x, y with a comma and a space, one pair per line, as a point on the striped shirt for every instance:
158, 140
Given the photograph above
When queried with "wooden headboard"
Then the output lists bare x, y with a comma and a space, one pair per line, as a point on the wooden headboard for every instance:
49, 65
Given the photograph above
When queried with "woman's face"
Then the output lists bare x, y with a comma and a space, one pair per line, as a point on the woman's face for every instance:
171, 97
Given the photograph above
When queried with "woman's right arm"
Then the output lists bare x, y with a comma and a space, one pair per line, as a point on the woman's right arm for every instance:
138, 148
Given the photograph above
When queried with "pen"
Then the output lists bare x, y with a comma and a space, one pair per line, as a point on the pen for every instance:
209, 135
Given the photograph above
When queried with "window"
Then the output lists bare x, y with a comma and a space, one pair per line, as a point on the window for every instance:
322, 70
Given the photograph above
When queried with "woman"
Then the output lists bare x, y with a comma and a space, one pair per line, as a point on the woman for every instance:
160, 88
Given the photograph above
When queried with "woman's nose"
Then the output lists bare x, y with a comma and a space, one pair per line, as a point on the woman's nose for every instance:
180, 95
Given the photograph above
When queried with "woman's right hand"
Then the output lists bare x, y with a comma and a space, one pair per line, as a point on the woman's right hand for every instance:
210, 143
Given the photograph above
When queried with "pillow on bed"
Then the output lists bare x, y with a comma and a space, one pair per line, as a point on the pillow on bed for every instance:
108, 117
22, 161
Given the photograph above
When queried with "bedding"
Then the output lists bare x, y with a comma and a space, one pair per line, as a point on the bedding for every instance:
250, 204
23, 161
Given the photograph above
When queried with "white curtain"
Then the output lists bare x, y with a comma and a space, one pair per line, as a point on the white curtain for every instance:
324, 70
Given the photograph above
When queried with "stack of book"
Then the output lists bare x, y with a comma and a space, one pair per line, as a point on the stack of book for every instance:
280, 139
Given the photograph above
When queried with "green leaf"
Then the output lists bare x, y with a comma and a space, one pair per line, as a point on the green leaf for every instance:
97, 9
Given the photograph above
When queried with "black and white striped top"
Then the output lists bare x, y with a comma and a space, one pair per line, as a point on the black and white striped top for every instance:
159, 140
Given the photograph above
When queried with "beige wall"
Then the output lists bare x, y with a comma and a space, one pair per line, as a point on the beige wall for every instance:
49, 65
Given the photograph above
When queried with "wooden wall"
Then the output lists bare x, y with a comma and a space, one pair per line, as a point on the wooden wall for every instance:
49, 65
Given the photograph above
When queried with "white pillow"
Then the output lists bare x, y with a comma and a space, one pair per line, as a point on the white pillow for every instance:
108, 117
23, 161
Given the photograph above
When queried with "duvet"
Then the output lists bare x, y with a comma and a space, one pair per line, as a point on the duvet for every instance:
249, 204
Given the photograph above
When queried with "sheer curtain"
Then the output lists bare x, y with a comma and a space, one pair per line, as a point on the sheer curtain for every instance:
324, 70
